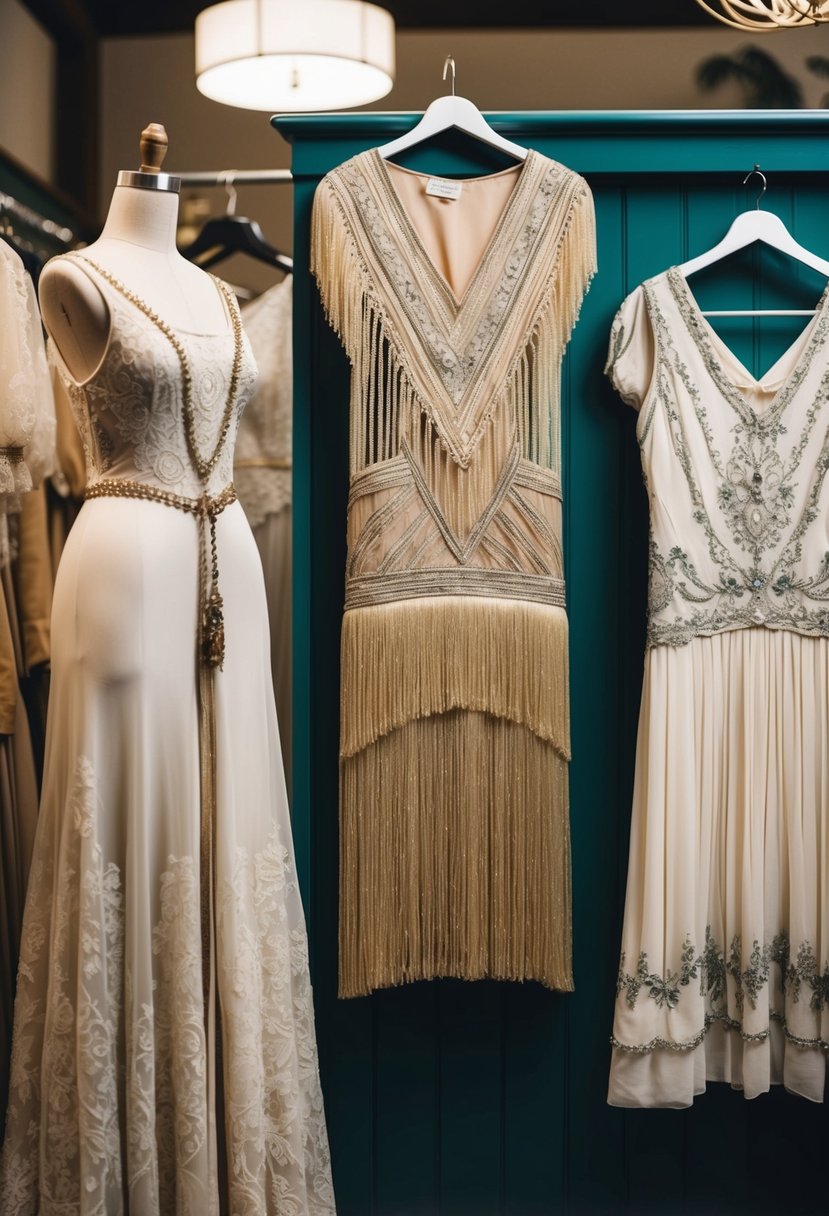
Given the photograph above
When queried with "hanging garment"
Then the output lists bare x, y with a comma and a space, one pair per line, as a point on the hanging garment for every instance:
262, 475
724, 972
164, 1032
27, 412
27, 438
454, 313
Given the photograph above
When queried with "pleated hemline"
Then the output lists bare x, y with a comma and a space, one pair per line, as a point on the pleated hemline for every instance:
455, 856
723, 973
665, 1074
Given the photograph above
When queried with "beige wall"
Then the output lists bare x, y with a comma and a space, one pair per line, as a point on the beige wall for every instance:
152, 79
27, 84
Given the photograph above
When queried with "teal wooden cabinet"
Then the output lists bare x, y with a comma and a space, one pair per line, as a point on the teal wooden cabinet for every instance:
458, 1099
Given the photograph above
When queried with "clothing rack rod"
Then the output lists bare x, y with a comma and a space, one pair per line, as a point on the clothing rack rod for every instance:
33, 220
237, 177
759, 312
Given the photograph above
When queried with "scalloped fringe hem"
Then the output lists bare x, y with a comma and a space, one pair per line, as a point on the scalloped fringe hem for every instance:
428, 656
454, 856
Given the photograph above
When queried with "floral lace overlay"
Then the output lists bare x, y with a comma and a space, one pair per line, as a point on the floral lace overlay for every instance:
110, 1096
130, 413
27, 407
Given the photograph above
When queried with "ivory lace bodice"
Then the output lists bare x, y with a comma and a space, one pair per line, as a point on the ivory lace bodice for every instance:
130, 411
735, 469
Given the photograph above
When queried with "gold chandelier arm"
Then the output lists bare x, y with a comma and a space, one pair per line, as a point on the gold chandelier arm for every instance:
765, 16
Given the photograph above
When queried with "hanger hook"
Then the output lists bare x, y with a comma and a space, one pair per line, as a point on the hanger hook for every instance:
228, 177
448, 65
755, 172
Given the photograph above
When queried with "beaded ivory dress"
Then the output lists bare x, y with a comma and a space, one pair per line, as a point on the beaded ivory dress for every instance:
454, 313
725, 951
117, 1078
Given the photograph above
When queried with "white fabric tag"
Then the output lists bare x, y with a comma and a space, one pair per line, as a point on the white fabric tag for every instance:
441, 188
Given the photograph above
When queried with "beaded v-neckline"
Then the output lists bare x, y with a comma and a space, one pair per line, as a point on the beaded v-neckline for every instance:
415, 240
710, 344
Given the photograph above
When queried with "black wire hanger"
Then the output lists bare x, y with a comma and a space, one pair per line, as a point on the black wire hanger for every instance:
224, 235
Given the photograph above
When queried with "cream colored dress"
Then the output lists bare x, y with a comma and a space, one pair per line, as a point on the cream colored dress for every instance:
27, 454
724, 971
454, 728
130, 1093
262, 475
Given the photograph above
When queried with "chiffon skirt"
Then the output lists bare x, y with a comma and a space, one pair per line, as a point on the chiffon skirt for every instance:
724, 971
125, 1096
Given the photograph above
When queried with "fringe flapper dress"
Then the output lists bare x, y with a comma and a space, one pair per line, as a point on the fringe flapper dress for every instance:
724, 971
454, 313
164, 1057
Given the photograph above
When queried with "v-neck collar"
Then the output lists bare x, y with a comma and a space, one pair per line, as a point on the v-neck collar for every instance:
707, 341
415, 240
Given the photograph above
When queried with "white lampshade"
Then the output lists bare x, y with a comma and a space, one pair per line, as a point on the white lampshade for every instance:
294, 54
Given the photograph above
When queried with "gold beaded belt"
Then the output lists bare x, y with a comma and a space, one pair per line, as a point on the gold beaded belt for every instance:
212, 639
13, 453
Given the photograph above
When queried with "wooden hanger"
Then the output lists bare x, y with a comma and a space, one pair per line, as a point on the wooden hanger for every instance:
447, 112
227, 234
748, 227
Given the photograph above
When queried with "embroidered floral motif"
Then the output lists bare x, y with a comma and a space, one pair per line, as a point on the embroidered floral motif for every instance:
753, 520
729, 975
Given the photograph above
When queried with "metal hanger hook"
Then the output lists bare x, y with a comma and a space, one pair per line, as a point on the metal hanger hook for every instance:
755, 172
228, 178
449, 64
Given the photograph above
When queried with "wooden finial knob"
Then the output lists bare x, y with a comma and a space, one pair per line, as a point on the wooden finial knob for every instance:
153, 147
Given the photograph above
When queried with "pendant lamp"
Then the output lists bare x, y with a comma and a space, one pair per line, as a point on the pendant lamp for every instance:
766, 15
294, 54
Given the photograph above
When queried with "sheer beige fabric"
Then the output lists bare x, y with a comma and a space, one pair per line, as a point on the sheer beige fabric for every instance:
262, 475
454, 705
725, 949
27, 412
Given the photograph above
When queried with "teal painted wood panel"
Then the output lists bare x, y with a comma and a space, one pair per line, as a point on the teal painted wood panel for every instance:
452, 1099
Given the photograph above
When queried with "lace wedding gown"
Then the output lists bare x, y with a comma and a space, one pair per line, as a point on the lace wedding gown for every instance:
129, 1091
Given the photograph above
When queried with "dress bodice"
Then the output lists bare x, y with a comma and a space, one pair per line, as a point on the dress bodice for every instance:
735, 469
131, 411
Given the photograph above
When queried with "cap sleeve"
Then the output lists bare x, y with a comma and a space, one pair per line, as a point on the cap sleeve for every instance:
630, 359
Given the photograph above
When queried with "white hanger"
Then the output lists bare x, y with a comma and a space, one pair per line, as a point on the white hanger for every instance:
451, 111
748, 227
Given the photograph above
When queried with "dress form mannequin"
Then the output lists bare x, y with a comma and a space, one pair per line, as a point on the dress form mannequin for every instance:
138, 247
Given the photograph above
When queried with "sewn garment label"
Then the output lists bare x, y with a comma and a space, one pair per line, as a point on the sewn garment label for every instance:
441, 188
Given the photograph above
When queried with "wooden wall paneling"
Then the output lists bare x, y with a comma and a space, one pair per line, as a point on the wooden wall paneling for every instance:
590, 478
408, 1127
345, 1028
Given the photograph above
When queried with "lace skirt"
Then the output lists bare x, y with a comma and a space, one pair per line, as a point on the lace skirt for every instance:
724, 972
116, 1069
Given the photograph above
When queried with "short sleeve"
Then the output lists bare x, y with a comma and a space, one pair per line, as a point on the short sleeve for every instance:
630, 359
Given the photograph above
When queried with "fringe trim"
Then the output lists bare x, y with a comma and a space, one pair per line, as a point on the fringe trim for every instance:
385, 400
455, 857
417, 658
